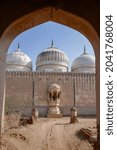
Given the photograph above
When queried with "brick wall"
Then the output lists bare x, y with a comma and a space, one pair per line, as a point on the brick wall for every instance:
23, 89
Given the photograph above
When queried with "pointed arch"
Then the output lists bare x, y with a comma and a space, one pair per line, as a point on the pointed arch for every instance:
38, 17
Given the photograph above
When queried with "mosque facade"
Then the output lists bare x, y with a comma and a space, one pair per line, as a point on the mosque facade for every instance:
26, 88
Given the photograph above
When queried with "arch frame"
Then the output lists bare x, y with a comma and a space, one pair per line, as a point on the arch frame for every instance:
36, 18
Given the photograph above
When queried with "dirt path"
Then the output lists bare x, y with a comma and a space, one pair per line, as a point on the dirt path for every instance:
48, 134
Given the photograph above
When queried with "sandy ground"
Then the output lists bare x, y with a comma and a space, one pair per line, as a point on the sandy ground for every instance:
49, 134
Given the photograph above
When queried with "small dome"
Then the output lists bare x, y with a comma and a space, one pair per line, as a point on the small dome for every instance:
18, 61
52, 60
84, 63
54, 87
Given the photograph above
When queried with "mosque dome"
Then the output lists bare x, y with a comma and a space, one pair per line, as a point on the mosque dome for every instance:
18, 61
52, 60
84, 63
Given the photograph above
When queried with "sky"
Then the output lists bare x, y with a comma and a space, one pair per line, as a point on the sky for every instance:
37, 39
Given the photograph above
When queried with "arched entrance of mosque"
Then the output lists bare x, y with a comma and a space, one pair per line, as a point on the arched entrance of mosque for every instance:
38, 17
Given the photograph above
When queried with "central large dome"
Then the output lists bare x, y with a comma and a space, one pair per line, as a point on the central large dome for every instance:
52, 60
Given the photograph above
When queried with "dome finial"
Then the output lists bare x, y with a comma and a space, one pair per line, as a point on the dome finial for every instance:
84, 50
18, 47
52, 43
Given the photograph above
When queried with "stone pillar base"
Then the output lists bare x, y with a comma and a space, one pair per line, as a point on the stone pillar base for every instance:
73, 117
54, 115
73, 120
54, 112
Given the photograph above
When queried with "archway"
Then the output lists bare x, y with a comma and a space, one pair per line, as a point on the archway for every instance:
35, 18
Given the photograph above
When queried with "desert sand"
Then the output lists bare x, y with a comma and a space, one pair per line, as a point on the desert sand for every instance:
49, 134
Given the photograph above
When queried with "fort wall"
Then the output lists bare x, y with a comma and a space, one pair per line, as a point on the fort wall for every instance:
27, 89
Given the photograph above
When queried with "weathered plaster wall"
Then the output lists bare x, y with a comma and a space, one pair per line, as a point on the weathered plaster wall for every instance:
25, 89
